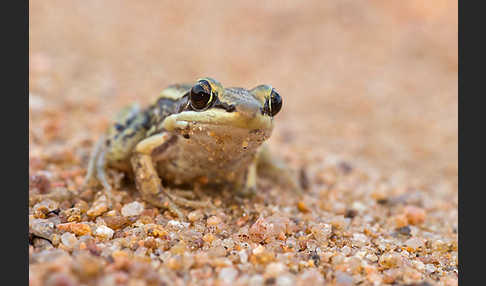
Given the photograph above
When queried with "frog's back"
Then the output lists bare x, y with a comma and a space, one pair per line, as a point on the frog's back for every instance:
175, 91
133, 124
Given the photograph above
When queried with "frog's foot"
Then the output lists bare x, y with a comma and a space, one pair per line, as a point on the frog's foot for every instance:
184, 194
247, 191
250, 187
162, 200
179, 200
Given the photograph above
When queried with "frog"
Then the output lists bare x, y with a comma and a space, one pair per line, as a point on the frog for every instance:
195, 136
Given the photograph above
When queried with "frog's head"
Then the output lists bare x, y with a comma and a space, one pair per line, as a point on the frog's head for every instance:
230, 115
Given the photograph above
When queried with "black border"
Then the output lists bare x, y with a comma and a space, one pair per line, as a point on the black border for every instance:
15, 156
471, 123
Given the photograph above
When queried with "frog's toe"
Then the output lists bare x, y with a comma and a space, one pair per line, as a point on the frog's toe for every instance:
184, 194
161, 200
179, 200
248, 191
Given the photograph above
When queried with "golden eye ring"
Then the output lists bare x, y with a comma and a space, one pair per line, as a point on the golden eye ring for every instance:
273, 104
201, 95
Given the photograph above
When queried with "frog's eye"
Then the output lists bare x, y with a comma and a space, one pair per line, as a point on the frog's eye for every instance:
273, 104
201, 95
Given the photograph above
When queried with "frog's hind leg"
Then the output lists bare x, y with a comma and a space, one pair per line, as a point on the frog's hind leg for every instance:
148, 181
96, 170
274, 168
91, 173
184, 194
101, 174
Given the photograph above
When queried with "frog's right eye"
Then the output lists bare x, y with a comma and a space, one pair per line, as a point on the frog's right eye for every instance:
201, 95
273, 103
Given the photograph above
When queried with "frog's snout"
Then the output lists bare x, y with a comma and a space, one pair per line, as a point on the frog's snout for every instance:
248, 108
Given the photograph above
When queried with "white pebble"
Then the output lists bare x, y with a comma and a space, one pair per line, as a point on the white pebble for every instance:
371, 257
321, 231
177, 224
359, 239
104, 232
243, 256
343, 279
414, 243
430, 268
69, 239
228, 275
274, 269
256, 280
132, 209
285, 280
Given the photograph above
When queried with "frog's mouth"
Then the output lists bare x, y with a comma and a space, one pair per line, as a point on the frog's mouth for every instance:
217, 117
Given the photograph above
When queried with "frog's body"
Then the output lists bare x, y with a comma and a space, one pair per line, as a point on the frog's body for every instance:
201, 134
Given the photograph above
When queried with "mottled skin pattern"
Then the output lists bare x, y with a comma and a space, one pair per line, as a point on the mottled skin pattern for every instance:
171, 145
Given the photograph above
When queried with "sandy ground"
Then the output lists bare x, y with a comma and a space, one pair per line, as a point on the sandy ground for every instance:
370, 112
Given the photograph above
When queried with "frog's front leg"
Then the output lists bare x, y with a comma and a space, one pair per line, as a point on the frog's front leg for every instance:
250, 184
148, 181
275, 168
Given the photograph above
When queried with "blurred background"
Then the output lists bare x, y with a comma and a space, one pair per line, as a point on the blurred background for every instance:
372, 81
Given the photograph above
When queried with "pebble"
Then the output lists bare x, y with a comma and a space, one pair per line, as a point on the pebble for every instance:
371, 257
389, 260
346, 250
43, 208
177, 224
259, 250
41, 244
243, 256
42, 228
104, 232
132, 209
415, 215
213, 220
99, 207
71, 215
415, 243
116, 222
343, 279
285, 280
405, 230
58, 278
303, 207
76, 228
359, 239
256, 280
274, 269
195, 215
321, 231
69, 240
269, 228
228, 275
310, 277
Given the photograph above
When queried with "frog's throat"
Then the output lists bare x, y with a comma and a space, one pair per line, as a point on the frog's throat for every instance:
217, 117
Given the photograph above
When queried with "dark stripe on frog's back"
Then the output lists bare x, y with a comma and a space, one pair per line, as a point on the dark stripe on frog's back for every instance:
168, 103
134, 124
129, 128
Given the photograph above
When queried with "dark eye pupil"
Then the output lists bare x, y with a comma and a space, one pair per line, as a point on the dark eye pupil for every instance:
276, 102
200, 95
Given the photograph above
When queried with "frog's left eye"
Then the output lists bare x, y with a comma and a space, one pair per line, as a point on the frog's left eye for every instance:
201, 95
273, 104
